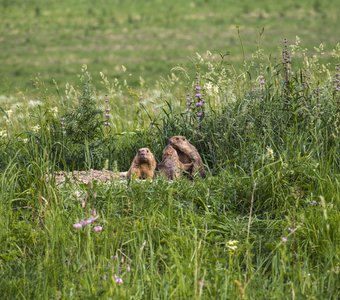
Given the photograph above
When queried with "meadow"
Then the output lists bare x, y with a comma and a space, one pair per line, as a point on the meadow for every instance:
263, 110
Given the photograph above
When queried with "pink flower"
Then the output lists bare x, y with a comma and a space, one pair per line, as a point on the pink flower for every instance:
117, 279
88, 221
98, 228
77, 226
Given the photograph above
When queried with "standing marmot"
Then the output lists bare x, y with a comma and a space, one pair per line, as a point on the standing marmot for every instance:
143, 165
170, 166
188, 153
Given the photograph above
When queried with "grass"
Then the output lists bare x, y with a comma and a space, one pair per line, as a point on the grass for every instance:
48, 40
262, 225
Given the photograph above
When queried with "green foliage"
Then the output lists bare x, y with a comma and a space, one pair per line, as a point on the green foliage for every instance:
263, 224
83, 123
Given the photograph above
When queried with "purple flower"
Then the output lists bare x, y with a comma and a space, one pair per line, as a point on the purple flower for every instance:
98, 228
199, 104
92, 219
198, 95
118, 280
284, 239
77, 226
88, 221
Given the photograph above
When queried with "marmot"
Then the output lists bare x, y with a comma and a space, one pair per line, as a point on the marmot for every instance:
170, 166
143, 165
188, 153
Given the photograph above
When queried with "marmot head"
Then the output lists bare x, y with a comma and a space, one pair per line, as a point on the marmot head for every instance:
144, 154
169, 151
177, 139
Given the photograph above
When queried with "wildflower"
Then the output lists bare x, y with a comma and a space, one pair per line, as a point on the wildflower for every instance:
54, 111
98, 228
284, 239
92, 219
261, 81
3, 133
118, 280
78, 194
36, 128
200, 116
77, 226
269, 152
313, 203
34, 103
88, 221
286, 60
232, 245
291, 230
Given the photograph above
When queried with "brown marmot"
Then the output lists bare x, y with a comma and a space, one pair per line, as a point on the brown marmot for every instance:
170, 166
143, 165
188, 153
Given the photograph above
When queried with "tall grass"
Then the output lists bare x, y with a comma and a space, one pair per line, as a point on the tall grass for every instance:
262, 225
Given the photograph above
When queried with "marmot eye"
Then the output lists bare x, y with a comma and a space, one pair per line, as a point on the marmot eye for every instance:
177, 139
183, 139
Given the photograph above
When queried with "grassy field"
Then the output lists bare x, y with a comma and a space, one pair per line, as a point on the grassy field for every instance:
53, 39
263, 224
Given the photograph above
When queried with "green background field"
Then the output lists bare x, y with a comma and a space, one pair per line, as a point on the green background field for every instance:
264, 222
52, 39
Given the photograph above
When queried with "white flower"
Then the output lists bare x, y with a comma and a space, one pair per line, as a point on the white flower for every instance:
232, 245
3, 133
54, 111
34, 103
269, 152
36, 128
